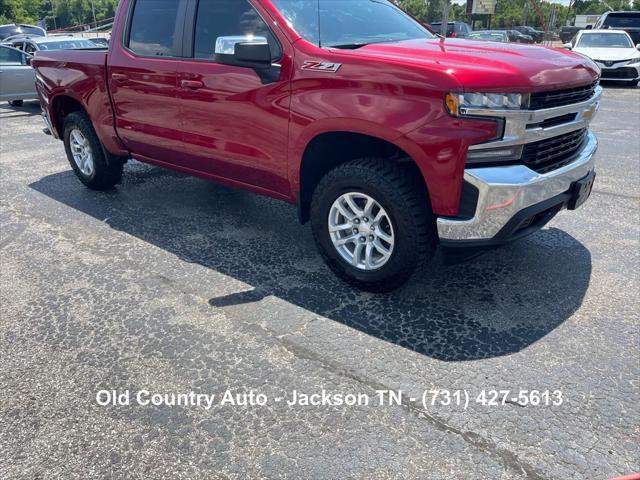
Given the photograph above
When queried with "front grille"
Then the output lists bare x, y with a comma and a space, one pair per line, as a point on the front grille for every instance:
553, 153
560, 98
626, 72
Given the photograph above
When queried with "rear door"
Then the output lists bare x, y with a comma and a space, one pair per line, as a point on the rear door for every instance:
235, 119
142, 73
17, 80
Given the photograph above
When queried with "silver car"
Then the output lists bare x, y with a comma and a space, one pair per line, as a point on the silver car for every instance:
17, 78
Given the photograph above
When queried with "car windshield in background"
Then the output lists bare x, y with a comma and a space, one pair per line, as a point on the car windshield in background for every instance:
10, 30
493, 37
604, 40
66, 45
350, 23
627, 20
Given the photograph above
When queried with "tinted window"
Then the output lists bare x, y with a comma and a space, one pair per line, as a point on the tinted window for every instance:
154, 28
628, 20
349, 23
228, 18
9, 56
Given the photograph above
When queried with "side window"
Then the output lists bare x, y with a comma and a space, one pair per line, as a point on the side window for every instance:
154, 28
228, 18
30, 48
9, 56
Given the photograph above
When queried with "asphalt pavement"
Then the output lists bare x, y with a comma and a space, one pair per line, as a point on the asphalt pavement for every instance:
171, 285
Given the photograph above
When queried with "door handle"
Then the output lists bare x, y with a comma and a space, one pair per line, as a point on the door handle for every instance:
191, 84
119, 77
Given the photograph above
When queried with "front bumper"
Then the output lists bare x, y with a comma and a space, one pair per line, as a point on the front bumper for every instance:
619, 72
502, 203
511, 196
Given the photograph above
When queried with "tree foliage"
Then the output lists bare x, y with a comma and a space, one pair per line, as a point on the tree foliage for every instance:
510, 13
56, 13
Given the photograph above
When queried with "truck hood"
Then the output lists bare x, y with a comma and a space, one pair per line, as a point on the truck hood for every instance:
491, 66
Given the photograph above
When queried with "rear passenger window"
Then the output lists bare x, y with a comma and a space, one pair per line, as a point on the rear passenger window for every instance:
154, 29
229, 18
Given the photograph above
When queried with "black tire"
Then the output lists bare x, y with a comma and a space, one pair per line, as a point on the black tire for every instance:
403, 196
107, 171
16, 103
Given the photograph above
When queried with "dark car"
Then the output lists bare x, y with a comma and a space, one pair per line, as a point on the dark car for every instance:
627, 21
18, 29
518, 37
537, 35
454, 29
567, 33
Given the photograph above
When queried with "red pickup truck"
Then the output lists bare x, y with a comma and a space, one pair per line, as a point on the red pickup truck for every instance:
389, 139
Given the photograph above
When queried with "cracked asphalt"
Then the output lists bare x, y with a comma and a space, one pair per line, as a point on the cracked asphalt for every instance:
172, 284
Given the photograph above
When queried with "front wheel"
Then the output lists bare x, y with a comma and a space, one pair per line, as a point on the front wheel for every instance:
92, 164
372, 223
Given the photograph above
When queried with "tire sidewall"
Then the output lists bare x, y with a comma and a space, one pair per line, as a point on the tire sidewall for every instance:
403, 252
69, 125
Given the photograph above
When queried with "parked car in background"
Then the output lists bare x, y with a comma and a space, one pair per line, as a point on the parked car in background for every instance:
489, 35
537, 35
613, 51
627, 21
518, 37
567, 33
17, 78
19, 29
31, 44
454, 29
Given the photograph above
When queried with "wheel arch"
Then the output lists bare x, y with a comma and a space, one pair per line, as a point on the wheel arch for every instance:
329, 149
61, 106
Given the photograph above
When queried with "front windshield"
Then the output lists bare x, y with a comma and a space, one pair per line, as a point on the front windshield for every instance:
494, 37
67, 45
604, 40
350, 23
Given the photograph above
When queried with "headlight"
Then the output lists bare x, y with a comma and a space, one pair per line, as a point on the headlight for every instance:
457, 103
633, 61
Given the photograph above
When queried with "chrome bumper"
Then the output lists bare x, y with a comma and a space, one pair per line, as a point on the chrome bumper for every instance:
505, 191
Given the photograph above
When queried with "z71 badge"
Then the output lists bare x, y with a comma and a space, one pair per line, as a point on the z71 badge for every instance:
321, 66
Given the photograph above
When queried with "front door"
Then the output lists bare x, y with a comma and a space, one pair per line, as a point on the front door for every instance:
235, 119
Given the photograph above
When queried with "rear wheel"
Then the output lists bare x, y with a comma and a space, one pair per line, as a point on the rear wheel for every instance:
16, 103
373, 224
92, 164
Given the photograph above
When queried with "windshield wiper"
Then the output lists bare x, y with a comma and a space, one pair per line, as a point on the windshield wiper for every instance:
349, 46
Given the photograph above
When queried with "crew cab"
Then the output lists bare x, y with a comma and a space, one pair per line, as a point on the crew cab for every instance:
390, 140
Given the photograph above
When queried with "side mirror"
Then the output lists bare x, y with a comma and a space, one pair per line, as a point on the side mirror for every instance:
243, 51
567, 46
589, 27
638, 46
26, 59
